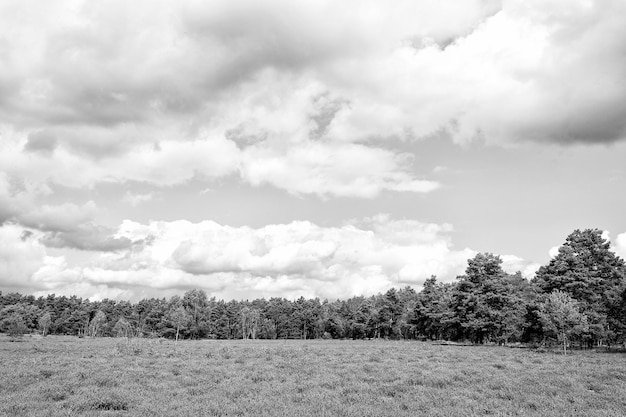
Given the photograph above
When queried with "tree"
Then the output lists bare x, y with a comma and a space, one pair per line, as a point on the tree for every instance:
196, 302
432, 313
180, 318
280, 312
123, 328
586, 269
44, 323
96, 324
560, 316
488, 303
28, 313
14, 325
250, 320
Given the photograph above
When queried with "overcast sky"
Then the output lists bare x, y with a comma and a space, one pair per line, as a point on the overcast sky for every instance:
302, 148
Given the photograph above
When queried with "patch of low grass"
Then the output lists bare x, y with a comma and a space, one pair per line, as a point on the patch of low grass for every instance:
61, 376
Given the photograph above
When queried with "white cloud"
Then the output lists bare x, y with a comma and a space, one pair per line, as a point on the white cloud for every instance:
343, 170
267, 88
410, 65
64, 217
327, 262
162, 163
21, 256
287, 260
294, 259
513, 264
135, 199
554, 251
312, 88
20, 202
620, 245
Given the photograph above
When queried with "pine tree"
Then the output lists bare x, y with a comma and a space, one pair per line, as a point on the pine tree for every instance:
586, 269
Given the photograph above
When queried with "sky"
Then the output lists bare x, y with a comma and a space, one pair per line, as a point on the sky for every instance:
280, 148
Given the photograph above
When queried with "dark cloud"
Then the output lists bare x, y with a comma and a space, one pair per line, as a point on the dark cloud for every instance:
63, 218
245, 135
41, 141
604, 124
89, 238
326, 108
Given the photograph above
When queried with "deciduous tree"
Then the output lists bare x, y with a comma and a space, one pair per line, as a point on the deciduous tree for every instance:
561, 317
44, 323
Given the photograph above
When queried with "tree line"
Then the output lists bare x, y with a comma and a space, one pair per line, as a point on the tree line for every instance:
578, 297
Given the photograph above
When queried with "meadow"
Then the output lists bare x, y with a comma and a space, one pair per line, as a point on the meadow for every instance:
68, 376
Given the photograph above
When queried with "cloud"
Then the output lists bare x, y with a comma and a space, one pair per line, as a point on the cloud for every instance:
341, 170
20, 202
291, 260
21, 256
300, 258
208, 90
64, 217
314, 261
554, 251
513, 264
516, 70
136, 199
620, 245
89, 237
93, 88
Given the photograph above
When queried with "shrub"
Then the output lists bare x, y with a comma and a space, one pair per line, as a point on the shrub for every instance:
14, 325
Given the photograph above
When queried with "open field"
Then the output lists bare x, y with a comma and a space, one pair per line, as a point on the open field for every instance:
67, 376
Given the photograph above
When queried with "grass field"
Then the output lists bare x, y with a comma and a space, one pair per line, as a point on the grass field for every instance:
67, 376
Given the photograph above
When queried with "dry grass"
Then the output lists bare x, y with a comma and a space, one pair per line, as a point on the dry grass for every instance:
65, 376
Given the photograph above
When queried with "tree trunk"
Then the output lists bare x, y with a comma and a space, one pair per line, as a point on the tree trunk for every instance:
177, 330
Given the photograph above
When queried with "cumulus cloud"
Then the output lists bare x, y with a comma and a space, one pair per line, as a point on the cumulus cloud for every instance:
64, 217
513, 264
21, 256
161, 106
343, 170
20, 202
228, 87
620, 245
292, 260
89, 236
300, 258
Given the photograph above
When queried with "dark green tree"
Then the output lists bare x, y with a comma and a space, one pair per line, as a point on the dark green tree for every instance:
196, 303
433, 312
586, 269
14, 325
488, 303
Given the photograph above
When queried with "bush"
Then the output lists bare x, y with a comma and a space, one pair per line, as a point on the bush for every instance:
14, 325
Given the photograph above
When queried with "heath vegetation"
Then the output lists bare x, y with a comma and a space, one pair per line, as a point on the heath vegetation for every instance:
70, 376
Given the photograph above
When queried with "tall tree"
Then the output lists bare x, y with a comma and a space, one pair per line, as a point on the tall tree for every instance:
250, 322
97, 323
433, 313
488, 303
587, 270
180, 318
196, 302
44, 323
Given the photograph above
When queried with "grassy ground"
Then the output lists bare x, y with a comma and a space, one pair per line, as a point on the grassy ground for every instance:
67, 376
